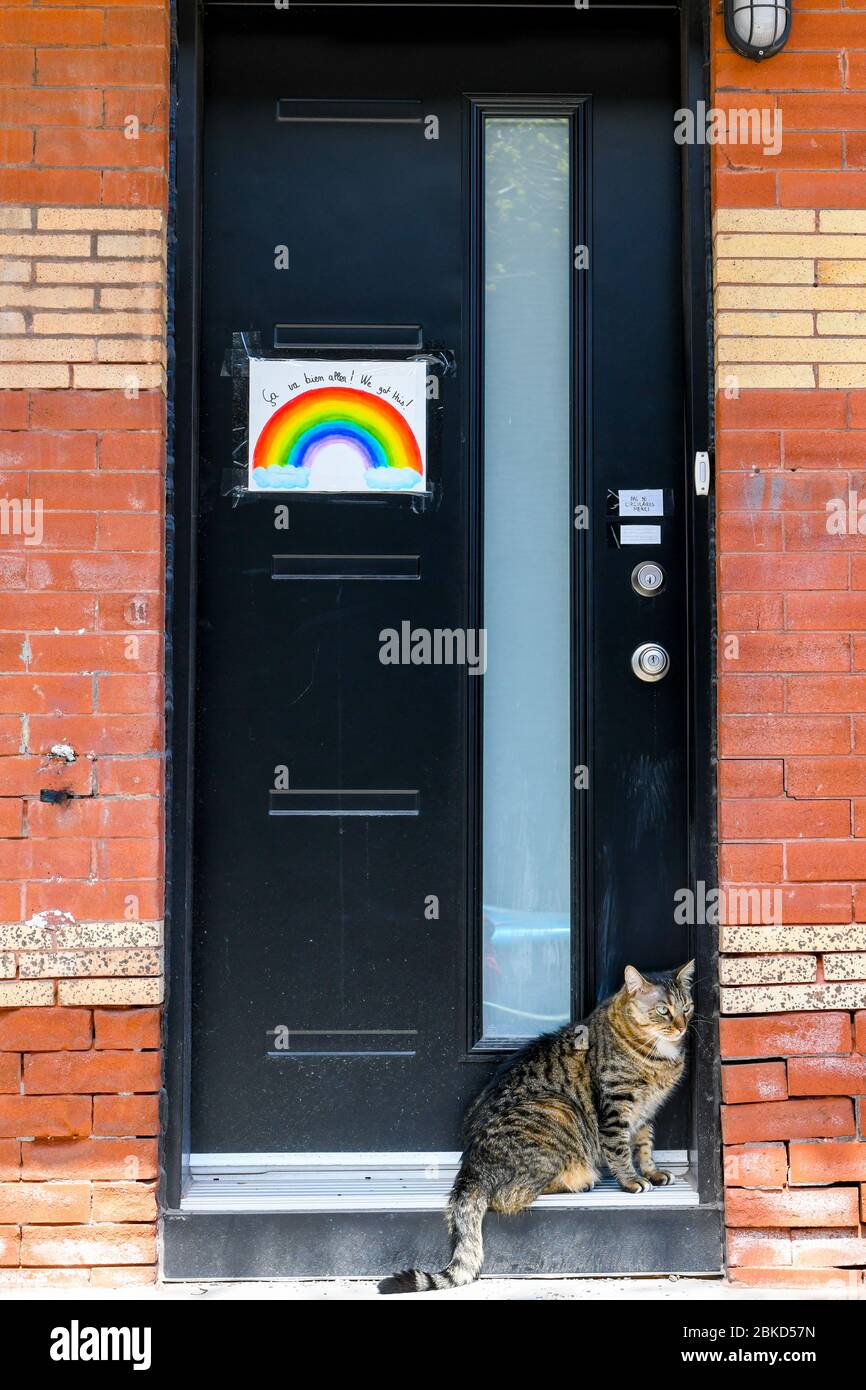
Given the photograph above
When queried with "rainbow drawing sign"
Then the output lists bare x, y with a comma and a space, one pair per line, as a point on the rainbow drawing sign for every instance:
337, 426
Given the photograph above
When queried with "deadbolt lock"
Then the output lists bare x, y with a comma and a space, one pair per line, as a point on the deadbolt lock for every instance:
650, 662
647, 578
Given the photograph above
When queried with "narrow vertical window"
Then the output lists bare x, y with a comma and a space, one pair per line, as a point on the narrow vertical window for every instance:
526, 385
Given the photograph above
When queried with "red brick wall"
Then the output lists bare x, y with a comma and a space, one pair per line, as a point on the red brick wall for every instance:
83, 142
83, 119
791, 369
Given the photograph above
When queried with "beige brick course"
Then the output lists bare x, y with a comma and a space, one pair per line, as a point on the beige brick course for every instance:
23, 936
774, 298
842, 323
32, 376
15, 219
793, 998
98, 272
841, 272
115, 991
18, 993
111, 378
49, 312
768, 220
792, 350
107, 951
32, 297
767, 970
53, 964
742, 377
842, 220
139, 247
91, 935
835, 378
47, 349
34, 244
772, 324
151, 297
129, 350
14, 272
743, 244
776, 273
103, 323
848, 937
846, 966
99, 219
766, 271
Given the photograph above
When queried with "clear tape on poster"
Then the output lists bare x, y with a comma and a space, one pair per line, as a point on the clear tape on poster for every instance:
440, 370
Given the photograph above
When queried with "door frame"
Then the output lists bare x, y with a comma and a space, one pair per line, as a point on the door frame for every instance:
608, 1240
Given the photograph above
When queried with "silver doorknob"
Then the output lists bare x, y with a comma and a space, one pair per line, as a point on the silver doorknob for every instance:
650, 662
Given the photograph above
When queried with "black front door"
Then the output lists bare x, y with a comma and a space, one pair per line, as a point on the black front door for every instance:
401, 868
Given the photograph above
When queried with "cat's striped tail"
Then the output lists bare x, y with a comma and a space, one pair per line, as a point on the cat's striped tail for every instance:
465, 1213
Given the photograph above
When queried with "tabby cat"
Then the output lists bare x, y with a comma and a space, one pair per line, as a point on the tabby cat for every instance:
551, 1117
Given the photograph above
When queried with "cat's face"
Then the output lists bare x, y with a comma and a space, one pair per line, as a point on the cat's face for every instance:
663, 1008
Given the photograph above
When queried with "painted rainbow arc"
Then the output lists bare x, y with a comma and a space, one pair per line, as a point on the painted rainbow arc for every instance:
299, 429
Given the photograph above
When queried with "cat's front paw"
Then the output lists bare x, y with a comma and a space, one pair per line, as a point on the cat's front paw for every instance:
659, 1177
635, 1184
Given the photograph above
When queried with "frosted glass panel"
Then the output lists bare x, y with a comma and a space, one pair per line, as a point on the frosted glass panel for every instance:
527, 539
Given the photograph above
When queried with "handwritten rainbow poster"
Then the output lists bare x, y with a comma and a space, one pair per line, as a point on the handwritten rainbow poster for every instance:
337, 426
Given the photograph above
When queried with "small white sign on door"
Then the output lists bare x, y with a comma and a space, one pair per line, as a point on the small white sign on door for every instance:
644, 501
640, 535
331, 426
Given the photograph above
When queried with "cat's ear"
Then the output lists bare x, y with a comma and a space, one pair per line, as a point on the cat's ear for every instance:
634, 980
685, 975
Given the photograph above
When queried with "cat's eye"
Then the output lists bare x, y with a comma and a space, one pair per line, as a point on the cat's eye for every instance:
662, 1011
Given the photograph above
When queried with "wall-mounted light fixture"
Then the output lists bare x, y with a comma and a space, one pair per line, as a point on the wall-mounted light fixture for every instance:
757, 28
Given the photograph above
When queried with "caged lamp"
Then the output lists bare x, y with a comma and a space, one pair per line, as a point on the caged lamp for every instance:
757, 28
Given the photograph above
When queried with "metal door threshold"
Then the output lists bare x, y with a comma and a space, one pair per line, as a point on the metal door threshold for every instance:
335, 1182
